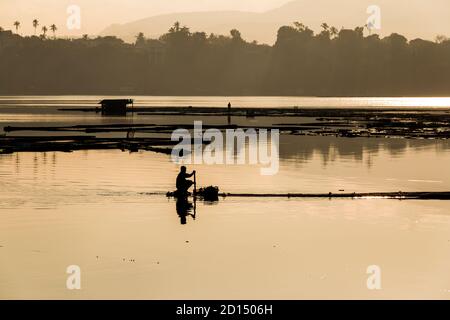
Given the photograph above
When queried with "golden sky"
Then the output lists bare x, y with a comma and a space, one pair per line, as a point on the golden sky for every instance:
98, 14
413, 18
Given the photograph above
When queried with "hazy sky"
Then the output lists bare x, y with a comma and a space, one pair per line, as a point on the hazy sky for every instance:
98, 14
413, 18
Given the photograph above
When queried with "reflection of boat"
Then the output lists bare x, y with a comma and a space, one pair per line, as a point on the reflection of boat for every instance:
208, 194
178, 195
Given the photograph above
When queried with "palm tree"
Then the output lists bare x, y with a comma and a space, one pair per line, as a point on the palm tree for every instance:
17, 25
53, 28
334, 31
175, 28
359, 30
35, 25
300, 26
44, 31
439, 38
326, 30
325, 26
236, 34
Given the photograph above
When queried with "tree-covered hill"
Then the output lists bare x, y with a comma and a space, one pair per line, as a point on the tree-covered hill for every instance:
330, 63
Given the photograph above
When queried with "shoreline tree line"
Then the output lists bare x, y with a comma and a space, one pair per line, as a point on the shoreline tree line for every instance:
346, 62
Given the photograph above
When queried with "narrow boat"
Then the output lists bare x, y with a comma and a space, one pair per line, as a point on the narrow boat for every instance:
210, 193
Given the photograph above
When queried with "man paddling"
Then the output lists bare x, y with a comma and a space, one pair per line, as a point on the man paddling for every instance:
183, 184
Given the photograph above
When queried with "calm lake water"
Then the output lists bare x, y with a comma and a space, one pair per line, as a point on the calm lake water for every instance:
250, 102
105, 211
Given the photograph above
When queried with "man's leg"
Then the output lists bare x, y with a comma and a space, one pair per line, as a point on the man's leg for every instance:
189, 184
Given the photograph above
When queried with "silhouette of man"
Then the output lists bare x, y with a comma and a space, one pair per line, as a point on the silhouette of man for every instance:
183, 184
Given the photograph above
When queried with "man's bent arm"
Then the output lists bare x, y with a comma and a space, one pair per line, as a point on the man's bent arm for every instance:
190, 175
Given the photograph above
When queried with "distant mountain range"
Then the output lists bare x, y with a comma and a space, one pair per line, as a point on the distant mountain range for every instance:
412, 18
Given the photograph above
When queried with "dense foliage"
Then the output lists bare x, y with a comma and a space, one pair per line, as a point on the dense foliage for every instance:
181, 62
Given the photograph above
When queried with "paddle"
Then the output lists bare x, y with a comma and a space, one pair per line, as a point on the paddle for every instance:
195, 194
195, 183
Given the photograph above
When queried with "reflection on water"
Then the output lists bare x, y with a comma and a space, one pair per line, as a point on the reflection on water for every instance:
106, 211
185, 209
358, 149
307, 164
251, 102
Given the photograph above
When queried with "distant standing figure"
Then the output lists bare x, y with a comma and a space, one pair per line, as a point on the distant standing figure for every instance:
229, 113
183, 184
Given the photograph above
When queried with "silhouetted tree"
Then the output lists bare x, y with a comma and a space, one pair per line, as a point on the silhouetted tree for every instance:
441, 38
44, 31
236, 35
35, 25
140, 39
53, 28
17, 26
175, 28
334, 31
325, 26
332, 62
